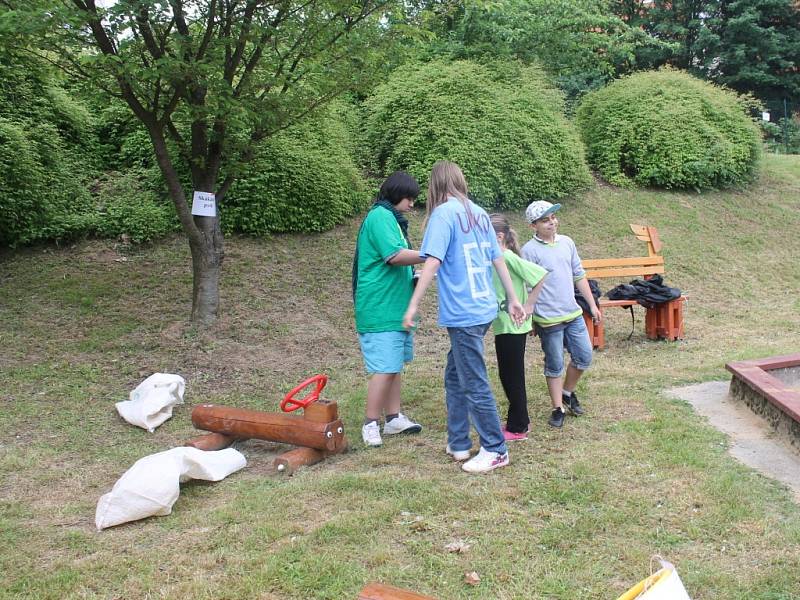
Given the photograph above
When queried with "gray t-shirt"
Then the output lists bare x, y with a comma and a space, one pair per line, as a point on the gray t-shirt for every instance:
556, 302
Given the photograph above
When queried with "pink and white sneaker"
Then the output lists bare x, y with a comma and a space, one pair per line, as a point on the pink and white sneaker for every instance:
510, 436
485, 461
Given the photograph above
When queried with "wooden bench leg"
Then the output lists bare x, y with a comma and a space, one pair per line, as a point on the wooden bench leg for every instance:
596, 331
651, 320
676, 318
665, 321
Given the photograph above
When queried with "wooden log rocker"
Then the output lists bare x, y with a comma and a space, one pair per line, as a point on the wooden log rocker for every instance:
317, 433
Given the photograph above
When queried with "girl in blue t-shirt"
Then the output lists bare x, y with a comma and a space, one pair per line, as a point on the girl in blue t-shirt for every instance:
460, 245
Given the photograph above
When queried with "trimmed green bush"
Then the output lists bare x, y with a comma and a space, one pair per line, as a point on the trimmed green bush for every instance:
126, 206
40, 196
47, 154
503, 125
668, 129
302, 179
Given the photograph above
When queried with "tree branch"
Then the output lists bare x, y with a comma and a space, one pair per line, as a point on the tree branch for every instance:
142, 19
236, 57
209, 33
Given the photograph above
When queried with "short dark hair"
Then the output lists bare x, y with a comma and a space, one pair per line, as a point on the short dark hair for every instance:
399, 185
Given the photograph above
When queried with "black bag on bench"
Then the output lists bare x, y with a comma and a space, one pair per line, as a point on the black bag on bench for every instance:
595, 288
647, 292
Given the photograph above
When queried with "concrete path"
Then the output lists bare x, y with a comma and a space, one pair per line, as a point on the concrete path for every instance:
753, 441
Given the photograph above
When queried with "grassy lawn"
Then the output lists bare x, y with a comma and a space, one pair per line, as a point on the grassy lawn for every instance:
578, 514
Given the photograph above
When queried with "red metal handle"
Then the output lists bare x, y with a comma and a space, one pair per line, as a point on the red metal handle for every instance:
290, 403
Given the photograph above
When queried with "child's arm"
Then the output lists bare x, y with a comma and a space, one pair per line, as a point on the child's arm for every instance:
583, 287
406, 257
532, 275
533, 295
430, 268
514, 307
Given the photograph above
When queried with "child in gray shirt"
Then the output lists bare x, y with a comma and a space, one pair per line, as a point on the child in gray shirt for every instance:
556, 315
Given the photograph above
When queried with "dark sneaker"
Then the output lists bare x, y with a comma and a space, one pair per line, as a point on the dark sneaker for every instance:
572, 405
556, 417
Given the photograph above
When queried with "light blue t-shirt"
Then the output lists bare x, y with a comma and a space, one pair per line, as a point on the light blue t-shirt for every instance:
461, 236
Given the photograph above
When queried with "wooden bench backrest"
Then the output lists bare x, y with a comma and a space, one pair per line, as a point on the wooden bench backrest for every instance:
651, 264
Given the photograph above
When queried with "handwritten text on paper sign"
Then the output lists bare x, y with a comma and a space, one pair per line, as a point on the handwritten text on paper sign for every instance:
204, 204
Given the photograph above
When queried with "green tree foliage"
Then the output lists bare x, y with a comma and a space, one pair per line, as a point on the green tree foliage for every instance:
301, 179
580, 43
754, 46
504, 126
678, 23
669, 129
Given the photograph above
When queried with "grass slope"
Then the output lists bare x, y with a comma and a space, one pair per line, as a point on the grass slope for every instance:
578, 514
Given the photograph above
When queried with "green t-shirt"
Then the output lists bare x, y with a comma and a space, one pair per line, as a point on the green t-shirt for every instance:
383, 290
524, 275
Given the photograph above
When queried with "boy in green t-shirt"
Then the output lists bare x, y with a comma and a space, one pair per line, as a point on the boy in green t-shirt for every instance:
382, 287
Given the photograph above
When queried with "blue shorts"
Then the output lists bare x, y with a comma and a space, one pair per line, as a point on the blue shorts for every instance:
386, 351
573, 336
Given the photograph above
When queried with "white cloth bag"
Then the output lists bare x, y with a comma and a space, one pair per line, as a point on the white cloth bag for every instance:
152, 485
152, 400
664, 584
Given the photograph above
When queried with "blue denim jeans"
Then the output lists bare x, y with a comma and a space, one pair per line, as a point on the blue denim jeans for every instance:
574, 337
468, 394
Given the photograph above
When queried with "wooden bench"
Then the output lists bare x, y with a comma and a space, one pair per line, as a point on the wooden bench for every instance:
665, 321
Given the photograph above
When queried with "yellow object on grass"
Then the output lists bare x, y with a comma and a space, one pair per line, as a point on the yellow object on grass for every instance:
664, 584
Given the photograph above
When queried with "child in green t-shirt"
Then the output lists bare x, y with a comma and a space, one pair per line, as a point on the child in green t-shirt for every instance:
510, 338
382, 287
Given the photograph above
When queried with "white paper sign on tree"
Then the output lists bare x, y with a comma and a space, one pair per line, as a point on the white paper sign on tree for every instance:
204, 204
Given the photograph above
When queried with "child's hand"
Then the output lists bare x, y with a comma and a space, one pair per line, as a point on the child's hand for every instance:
409, 318
517, 312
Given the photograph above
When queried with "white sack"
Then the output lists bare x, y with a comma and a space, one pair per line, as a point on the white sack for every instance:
151, 485
667, 587
664, 584
152, 400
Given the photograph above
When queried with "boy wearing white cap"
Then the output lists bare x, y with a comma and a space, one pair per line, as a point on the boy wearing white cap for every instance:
556, 315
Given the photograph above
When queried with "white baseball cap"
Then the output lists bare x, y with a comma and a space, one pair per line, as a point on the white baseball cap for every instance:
540, 208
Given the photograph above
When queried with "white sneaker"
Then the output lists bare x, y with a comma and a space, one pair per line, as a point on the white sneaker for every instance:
458, 455
371, 434
485, 461
401, 424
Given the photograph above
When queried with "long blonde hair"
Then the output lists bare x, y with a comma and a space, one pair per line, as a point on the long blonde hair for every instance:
501, 225
446, 180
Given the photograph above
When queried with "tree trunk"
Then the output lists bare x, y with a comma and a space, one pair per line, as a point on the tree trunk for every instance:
204, 234
207, 255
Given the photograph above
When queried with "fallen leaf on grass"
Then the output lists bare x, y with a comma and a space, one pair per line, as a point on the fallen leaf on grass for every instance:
420, 525
472, 578
458, 546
